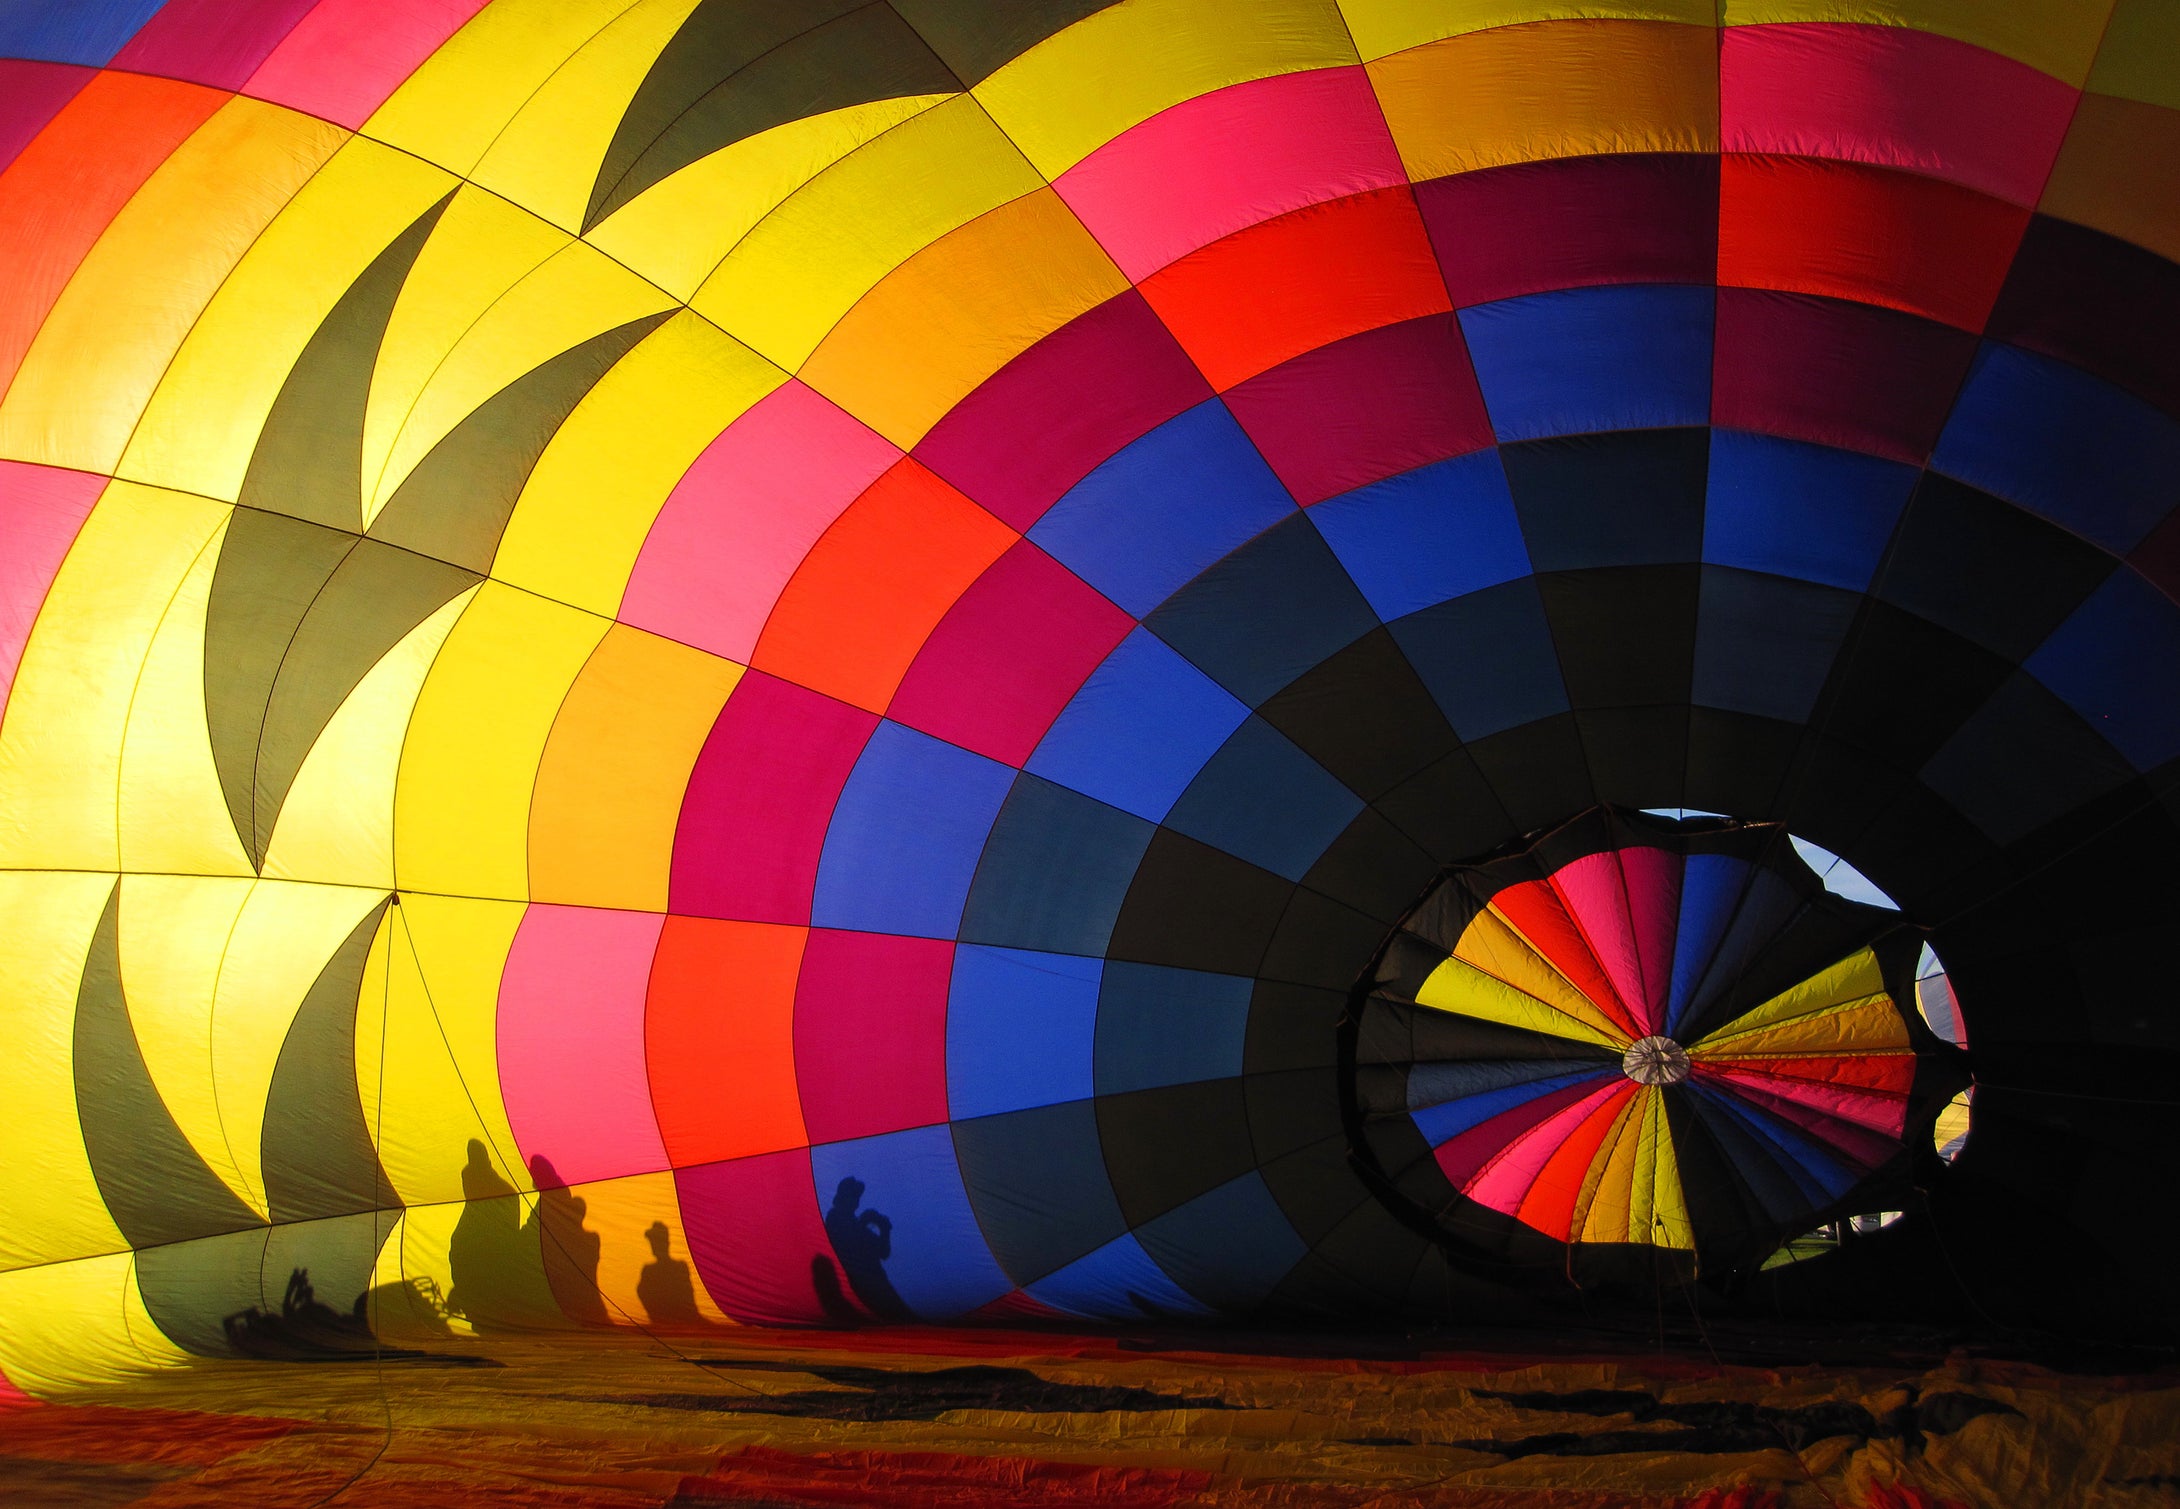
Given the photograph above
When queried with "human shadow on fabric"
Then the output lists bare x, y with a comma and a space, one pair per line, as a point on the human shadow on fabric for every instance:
496, 1257
862, 1240
665, 1288
570, 1250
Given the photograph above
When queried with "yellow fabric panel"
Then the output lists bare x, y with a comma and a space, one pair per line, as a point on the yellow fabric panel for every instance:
2119, 172
610, 783
453, 107
1602, 1211
60, 747
547, 156
415, 1257
173, 814
1666, 1218
1465, 990
804, 266
1496, 946
430, 996
337, 824
677, 231
572, 295
583, 515
203, 421
46, 1186
1382, 27
174, 931
101, 352
1063, 100
2058, 36
2140, 55
1861, 1029
462, 809
1556, 89
1854, 978
621, 1211
75, 1325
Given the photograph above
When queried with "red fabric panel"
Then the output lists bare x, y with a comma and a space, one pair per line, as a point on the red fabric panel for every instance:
1542, 916
754, 1229
870, 1033
1549, 1205
30, 95
215, 42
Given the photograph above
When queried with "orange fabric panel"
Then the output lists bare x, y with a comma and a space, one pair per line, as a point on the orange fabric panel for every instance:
1872, 234
719, 1035
1549, 1205
1540, 916
2119, 172
57, 197
1292, 284
876, 583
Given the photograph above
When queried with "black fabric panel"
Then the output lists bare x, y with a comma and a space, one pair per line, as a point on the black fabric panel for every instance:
1267, 613
1539, 771
1626, 635
455, 504
1765, 644
1372, 867
1901, 687
740, 67
1038, 1185
1920, 849
1292, 1027
1638, 756
1320, 942
2023, 760
1625, 498
153, 1183
1316, 1186
1374, 1250
977, 38
1291, 1110
1737, 763
1194, 907
2101, 303
316, 1148
1487, 657
1450, 809
1718, 1199
1440, 1035
1165, 1147
1365, 716
1055, 871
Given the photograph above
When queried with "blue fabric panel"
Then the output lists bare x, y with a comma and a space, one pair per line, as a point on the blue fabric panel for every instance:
1438, 532
1055, 871
939, 1264
89, 32
1436, 1084
1765, 908
1627, 498
1164, 508
1263, 800
1442, 1123
1229, 1246
1019, 1030
1765, 644
1820, 1173
1487, 658
1795, 509
2080, 452
1037, 1181
1119, 1281
1139, 729
1785, 1194
906, 834
1624, 357
1160, 1026
1710, 891
1275, 608
2116, 661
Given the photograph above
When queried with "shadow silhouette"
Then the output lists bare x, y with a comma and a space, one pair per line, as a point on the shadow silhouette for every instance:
863, 1240
495, 1257
569, 1249
665, 1288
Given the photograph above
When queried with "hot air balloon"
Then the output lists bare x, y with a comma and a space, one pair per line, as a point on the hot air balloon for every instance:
695, 663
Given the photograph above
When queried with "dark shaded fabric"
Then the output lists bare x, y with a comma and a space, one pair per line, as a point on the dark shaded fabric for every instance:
317, 1151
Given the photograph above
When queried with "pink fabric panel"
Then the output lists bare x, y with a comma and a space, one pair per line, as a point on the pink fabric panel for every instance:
753, 821
1627, 902
41, 508
1507, 1178
870, 1033
30, 95
1461, 1155
1214, 164
1008, 655
1896, 96
753, 1229
1824, 1109
571, 1041
743, 517
343, 59
215, 42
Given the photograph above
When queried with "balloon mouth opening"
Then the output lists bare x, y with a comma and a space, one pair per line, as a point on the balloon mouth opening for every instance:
1655, 1060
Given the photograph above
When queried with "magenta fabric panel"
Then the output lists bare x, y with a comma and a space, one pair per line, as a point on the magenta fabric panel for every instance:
870, 1033
1008, 655
215, 42
1367, 407
1460, 1156
1504, 1182
1042, 422
1212, 165
41, 508
1627, 903
754, 1231
343, 59
1847, 375
1896, 96
1534, 227
744, 515
30, 95
753, 819
571, 1041
1829, 1116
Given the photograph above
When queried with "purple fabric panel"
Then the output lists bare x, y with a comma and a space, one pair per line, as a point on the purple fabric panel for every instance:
1574, 221
2101, 303
753, 820
1042, 422
1840, 374
870, 1033
30, 95
215, 42
754, 1230
1365, 408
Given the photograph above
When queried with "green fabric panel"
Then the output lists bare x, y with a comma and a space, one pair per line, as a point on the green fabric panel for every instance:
309, 457
457, 501
317, 1150
978, 38
155, 1186
740, 67
283, 1291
